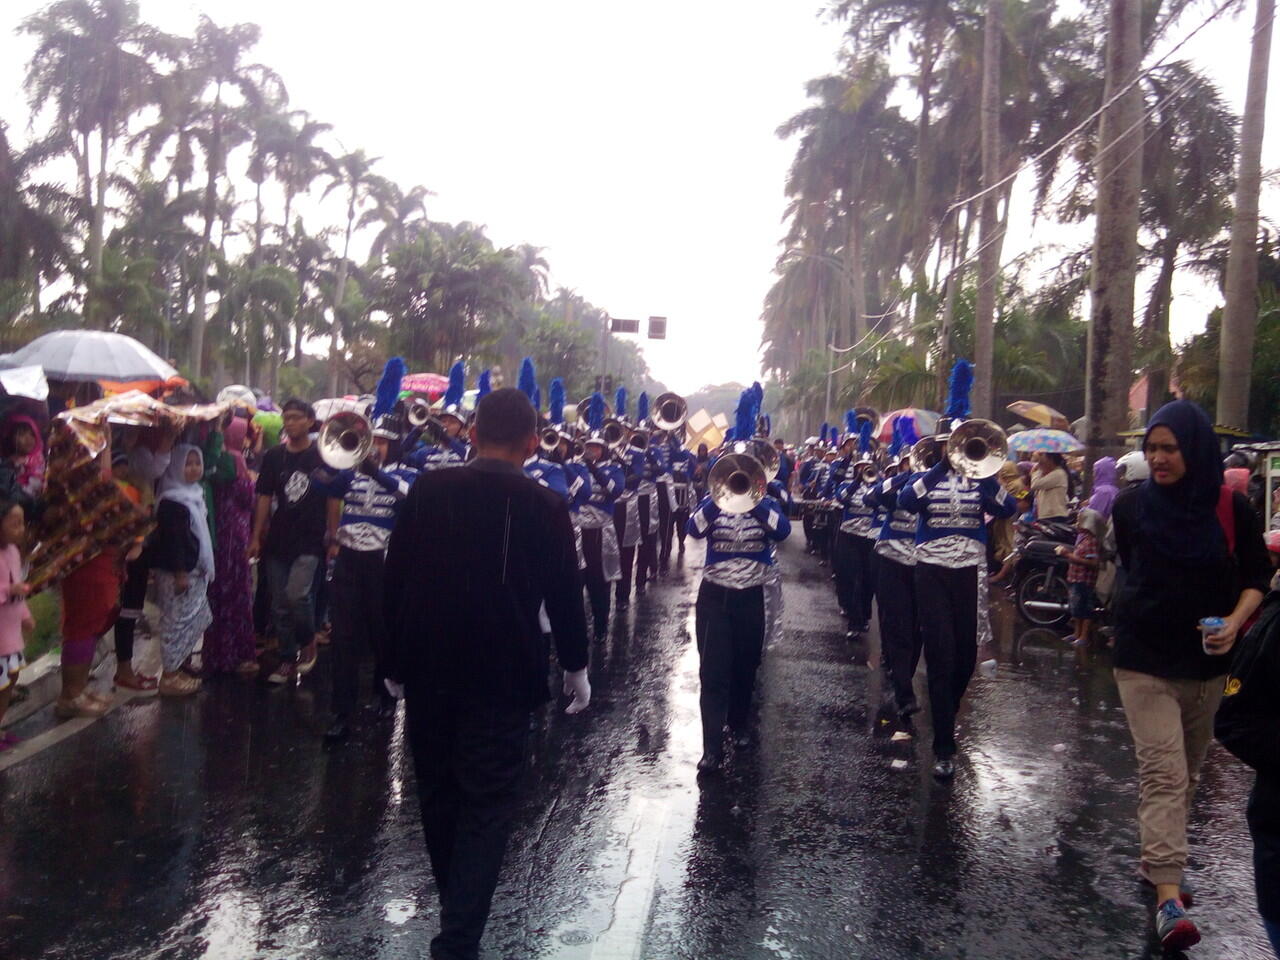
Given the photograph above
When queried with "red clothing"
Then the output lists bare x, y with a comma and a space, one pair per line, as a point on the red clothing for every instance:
1086, 546
90, 599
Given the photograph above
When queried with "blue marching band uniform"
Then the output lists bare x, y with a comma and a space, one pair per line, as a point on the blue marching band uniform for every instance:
631, 493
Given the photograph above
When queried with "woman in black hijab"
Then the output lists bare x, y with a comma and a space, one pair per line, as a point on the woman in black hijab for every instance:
1191, 549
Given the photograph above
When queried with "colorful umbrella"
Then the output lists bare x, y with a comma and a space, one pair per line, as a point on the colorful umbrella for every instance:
1040, 413
432, 384
924, 421
1044, 440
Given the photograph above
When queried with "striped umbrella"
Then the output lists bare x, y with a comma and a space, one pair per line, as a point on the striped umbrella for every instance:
924, 421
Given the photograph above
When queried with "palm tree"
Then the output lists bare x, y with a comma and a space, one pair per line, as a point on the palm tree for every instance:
399, 214
1240, 316
218, 54
95, 66
352, 172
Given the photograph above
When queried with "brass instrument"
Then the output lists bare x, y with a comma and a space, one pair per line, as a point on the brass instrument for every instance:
737, 483
638, 440
418, 413
866, 471
549, 439
585, 402
669, 412
763, 451
346, 439
615, 433
868, 413
925, 454
977, 449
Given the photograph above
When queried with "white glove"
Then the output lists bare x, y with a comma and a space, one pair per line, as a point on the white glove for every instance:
395, 689
577, 686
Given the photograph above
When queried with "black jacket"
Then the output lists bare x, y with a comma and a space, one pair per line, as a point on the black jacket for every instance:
172, 546
1248, 724
475, 553
1159, 608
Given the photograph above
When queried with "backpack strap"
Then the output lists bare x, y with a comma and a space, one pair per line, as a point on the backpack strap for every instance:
1227, 517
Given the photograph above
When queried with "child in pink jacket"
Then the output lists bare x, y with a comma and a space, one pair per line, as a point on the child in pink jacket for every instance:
15, 618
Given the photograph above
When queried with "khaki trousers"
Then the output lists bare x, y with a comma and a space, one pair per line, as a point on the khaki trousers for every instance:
1171, 722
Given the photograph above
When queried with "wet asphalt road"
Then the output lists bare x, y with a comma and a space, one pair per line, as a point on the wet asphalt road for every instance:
222, 827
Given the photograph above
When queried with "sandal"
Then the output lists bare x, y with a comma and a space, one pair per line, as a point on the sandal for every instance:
81, 706
138, 684
179, 685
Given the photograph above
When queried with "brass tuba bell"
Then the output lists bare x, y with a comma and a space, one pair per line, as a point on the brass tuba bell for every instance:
737, 483
615, 433
346, 439
925, 454
638, 440
764, 452
669, 412
977, 449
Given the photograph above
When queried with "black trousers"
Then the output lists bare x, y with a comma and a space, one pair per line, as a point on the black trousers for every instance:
469, 758
359, 628
664, 525
843, 566
900, 640
261, 603
730, 631
809, 532
597, 585
949, 629
626, 555
864, 575
647, 552
680, 524
132, 597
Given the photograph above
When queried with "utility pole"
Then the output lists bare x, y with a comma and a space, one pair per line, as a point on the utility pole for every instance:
989, 252
1109, 368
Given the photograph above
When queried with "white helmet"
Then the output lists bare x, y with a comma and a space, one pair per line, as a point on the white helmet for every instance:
1134, 465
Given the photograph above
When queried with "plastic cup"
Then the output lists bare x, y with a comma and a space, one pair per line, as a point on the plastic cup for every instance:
1208, 627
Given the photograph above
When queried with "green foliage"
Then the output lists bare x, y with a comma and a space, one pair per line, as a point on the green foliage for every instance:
46, 610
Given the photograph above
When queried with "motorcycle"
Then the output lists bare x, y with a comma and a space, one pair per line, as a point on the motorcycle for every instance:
1040, 576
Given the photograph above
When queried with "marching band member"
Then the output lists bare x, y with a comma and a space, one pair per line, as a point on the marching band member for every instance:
895, 548
683, 466
363, 505
730, 611
650, 509
448, 446
851, 561
599, 536
951, 544
813, 477
626, 514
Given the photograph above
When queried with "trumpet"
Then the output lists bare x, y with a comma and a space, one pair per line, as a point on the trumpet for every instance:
669, 412
977, 449
346, 440
419, 413
925, 454
737, 483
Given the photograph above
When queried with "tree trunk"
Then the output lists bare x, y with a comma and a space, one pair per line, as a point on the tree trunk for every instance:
955, 280
98, 227
1155, 327
1109, 367
857, 272
214, 162
989, 233
339, 297
919, 212
1240, 315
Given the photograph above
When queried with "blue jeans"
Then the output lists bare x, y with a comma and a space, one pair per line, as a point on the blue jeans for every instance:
292, 584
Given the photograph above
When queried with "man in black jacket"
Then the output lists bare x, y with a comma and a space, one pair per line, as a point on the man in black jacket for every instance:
1248, 724
475, 554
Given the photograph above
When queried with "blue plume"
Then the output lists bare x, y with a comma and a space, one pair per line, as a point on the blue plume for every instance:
595, 411
483, 386
895, 443
528, 381
556, 406
388, 393
768, 425
536, 399
850, 424
744, 422
910, 436
620, 403
642, 407
824, 433
958, 389
864, 437
457, 385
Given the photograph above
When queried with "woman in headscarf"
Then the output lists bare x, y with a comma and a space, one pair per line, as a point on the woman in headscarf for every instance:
1051, 486
1191, 549
228, 645
181, 558
1105, 490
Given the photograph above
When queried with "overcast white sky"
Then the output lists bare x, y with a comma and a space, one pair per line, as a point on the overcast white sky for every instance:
634, 142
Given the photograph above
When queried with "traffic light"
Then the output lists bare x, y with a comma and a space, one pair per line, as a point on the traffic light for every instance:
618, 325
657, 328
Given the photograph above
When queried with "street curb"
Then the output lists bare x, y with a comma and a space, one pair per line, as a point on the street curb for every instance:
43, 680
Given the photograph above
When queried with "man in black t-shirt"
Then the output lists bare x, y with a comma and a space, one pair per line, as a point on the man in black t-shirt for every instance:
288, 534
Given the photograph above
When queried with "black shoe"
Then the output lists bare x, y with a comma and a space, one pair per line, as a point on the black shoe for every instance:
944, 769
710, 764
851, 635
909, 708
338, 731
